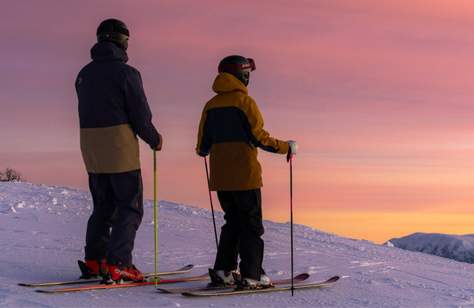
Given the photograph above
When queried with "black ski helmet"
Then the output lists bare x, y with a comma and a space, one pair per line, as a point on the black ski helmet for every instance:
113, 30
238, 66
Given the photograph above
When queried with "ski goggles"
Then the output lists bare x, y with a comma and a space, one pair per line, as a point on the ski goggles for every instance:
234, 67
250, 66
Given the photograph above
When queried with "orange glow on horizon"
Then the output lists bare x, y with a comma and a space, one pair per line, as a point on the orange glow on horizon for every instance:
380, 227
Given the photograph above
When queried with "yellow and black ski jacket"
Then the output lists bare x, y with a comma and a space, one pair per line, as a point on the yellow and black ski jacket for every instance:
113, 110
230, 130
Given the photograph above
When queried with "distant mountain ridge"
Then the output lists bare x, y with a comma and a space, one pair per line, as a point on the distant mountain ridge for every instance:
456, 247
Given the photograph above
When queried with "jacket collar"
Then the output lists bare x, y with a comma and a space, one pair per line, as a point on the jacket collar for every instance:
108, 51
226, 82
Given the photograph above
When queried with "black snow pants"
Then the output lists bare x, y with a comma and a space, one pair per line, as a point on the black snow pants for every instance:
117, 214
241, 233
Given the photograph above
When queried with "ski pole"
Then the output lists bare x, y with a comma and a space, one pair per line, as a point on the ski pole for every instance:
155, 220
210, 200
291, 224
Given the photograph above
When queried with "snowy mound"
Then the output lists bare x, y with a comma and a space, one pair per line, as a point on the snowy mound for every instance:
456, 247
42, 235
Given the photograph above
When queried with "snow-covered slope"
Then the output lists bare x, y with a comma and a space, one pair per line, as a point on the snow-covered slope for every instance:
41, 237
456, 247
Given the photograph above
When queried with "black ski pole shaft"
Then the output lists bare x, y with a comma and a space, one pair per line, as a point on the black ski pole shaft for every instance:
210, 200
155, 219
291, 225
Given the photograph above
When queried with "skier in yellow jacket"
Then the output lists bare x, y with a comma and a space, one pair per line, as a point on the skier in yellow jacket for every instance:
231, 130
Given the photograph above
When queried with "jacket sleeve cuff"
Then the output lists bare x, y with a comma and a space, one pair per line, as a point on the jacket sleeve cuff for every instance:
283, 147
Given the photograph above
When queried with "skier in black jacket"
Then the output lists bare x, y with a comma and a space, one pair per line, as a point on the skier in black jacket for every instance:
113, 110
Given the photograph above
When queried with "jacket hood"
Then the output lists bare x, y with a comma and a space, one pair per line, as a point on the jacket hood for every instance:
225, 82
108, 51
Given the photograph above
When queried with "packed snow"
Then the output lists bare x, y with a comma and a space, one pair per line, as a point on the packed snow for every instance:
456, 247
42, 233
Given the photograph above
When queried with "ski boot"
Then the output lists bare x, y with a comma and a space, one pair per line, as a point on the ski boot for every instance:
221, 278
117, 274
252, 284
91, 268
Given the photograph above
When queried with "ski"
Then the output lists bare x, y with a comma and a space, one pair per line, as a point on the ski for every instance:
182, 270
300, 286
122, 285
297, 279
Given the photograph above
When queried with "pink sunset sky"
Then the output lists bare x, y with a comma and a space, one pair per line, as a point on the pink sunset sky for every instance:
378, 94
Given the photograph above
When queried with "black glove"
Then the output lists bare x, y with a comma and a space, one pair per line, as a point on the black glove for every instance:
203, 154
159, 145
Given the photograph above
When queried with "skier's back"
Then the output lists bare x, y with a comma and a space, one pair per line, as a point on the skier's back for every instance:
230, 130
112, 110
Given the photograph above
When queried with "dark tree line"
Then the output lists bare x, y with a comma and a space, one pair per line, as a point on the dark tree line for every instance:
10, 175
